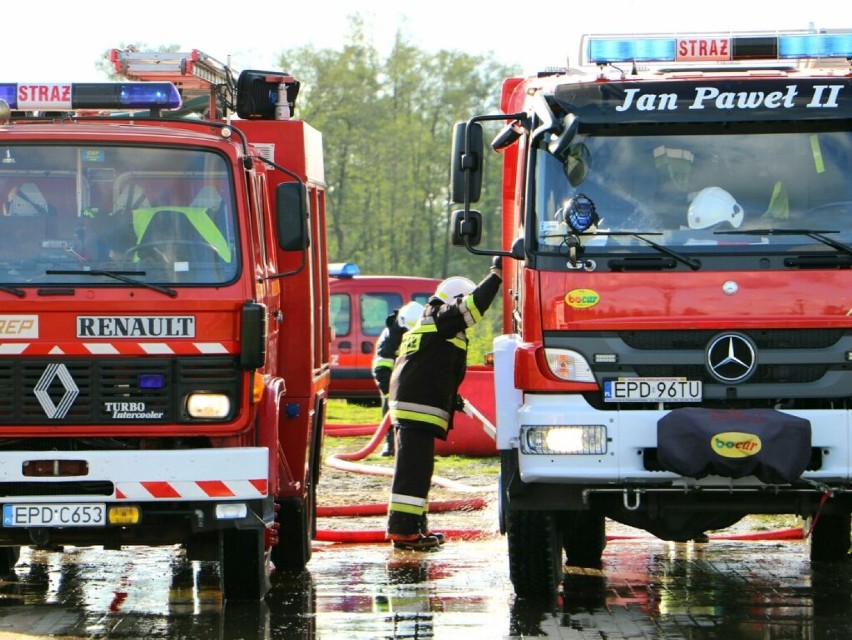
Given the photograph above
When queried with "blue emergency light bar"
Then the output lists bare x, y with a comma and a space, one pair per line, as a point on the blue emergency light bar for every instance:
709, 47
343, 269
92, 95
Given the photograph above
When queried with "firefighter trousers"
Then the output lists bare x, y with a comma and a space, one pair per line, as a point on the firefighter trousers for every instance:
412, 478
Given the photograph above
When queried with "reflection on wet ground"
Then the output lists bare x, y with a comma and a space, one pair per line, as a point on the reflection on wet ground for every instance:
726, 590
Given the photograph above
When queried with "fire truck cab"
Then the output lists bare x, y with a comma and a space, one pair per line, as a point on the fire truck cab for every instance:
164, 320
677, 226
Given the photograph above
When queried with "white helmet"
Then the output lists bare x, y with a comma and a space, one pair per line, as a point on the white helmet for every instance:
713, 206
409, 314
453, 287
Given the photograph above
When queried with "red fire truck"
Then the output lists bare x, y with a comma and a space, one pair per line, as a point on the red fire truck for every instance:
164, 321
677, 226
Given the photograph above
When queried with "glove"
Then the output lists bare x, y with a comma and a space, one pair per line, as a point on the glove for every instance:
497, 266
458, 404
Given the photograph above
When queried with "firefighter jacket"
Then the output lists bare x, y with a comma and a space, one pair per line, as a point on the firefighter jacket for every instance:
432, 360
387, 347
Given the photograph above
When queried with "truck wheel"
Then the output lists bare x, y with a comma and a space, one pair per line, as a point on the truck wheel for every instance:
830, 539
584, 538
243, 564
297, 520
8, 559
535, 553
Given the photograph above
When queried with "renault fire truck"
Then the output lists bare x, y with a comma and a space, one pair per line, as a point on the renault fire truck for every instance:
677, 226
164, 323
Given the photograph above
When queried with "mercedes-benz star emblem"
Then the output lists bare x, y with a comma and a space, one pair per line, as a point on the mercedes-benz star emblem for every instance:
731, 358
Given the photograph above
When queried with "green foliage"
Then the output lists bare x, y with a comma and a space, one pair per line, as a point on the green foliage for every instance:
387, 129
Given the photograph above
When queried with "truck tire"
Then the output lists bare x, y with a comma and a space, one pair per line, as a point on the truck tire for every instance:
584, 538
243, 564
830, 539
535, 553
8, 559
297, 519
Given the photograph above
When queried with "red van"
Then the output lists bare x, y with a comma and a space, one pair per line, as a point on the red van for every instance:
360, 305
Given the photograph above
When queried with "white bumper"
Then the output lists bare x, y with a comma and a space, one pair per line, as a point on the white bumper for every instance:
150, 476
628, 434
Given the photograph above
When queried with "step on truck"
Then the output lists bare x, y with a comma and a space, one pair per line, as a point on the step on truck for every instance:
677, 349
164, 322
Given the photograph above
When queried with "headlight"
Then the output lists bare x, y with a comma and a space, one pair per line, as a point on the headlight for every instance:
208, 405
564, 439
568, 365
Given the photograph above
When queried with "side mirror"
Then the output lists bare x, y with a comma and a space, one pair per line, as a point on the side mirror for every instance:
559, 145
466, 163
466, 228
291, 211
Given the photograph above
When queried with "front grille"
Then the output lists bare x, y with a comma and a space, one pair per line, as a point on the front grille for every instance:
764, 338
80, 391
778, 374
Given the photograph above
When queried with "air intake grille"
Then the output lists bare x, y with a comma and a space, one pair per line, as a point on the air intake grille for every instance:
39, 391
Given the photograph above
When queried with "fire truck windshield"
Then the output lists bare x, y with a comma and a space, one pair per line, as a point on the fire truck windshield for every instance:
158, 215
689, 185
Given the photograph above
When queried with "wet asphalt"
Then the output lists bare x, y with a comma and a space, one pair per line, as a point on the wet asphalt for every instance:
647, 588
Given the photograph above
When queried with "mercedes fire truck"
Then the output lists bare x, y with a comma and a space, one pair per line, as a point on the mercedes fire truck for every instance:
677, 226
164, 322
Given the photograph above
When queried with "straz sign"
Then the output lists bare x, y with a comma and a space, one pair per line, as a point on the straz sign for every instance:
135, 327
44, 96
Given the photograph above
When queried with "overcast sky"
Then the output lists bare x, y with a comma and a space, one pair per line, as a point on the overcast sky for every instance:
55, 41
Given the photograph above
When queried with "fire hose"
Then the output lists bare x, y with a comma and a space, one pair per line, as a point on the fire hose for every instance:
348, 462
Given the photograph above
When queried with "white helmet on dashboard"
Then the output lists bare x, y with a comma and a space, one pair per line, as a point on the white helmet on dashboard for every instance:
409, 314
453, 287
714, 206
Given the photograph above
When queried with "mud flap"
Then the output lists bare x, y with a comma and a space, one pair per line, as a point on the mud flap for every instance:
771, 445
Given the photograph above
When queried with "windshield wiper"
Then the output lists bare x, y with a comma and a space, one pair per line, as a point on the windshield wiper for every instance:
117, 275
692, 263
15, 291
810, 233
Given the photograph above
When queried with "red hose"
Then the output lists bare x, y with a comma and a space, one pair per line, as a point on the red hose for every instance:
355, 429
379, 509
344, 462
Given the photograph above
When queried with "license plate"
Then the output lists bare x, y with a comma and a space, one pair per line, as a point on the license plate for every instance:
54, 515
652, 390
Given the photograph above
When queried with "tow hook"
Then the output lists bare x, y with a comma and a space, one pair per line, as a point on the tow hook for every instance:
635, 503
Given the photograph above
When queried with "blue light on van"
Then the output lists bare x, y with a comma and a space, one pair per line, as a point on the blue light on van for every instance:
343, 269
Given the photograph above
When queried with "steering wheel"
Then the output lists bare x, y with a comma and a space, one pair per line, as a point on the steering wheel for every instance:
832, 209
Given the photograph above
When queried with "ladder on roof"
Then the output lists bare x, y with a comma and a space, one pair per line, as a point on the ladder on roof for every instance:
194, 73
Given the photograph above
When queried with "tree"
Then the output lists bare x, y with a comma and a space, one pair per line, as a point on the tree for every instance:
387, 127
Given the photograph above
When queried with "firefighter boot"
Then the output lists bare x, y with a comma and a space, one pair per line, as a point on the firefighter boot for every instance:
424, 530
416, 542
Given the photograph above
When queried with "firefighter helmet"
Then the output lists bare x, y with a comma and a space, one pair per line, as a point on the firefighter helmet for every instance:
453, 287
714, 206
409, 314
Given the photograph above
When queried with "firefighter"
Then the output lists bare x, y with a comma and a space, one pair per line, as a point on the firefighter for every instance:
424, 395
387, 347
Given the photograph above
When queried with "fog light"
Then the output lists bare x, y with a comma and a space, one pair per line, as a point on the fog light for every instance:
208, 405
123, 515
231, 511
564, 439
